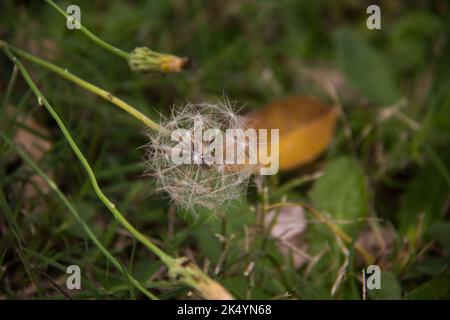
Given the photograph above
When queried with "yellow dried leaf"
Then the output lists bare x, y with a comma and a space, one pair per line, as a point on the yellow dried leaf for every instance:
306, 127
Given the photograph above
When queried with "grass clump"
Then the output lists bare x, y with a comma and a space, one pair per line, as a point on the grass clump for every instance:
379, 195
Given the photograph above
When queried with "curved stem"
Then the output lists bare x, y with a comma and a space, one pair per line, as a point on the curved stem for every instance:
86, 85
180, 269
141, 59
77, 216
108, 203
93, 37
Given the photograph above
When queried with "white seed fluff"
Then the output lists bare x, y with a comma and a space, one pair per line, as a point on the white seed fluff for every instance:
196, 187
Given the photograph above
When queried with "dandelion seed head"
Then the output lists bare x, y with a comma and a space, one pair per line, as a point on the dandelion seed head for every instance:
196, 186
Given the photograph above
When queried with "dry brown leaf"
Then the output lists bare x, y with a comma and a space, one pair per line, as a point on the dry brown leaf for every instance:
287, 225
286, 222
36, 147
306, 127
32, 143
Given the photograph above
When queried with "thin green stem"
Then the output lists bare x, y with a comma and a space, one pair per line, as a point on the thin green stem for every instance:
295, 183
141, 59
77, 216
86, 85
108, 203
180, 269
123, 54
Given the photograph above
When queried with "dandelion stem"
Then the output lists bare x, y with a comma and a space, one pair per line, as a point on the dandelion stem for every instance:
180, 269
86, 85
141, 59
77, 216
108, 203
93, 37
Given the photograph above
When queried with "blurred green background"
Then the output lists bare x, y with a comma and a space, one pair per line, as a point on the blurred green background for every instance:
389, 160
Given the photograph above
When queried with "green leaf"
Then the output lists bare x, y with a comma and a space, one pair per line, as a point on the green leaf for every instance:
438, 288
390, 288
144, 268
425, 194
208, 244
365, 68
441, 232
410, 39
430, 266
342, 192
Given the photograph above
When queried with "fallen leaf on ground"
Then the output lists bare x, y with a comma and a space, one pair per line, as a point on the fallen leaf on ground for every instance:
287, 225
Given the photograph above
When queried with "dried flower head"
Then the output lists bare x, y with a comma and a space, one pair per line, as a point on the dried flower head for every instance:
197, 185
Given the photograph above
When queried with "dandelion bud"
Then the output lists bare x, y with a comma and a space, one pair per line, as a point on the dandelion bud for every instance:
143, 60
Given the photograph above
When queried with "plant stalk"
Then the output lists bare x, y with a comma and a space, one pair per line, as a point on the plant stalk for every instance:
141, 59
77, 216
86, 85
180, 269
123, 54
